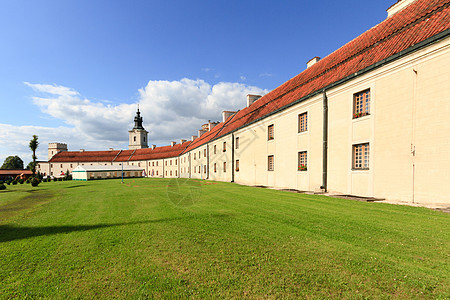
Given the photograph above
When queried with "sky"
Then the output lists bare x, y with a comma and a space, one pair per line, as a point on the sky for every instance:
75, 71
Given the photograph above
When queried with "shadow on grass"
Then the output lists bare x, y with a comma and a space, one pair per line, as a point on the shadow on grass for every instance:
10, 233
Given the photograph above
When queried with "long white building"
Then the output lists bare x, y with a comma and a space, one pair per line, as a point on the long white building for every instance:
370, 119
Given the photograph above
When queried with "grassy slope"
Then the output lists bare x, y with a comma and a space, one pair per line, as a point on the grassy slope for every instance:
103, 239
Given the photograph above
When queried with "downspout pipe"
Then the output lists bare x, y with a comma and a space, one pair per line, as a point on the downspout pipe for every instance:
232, 157
207, 161
325, 143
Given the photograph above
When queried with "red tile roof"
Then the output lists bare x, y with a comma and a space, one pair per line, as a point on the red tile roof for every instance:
419, 21
85, 156
120, 155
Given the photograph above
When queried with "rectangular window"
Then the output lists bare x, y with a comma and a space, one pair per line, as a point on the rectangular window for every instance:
156, 163
361, 156
215, 167
70, 166
361, 104
170, 162
204, 169
176, 162
237, 143
199, 154
303, 122
270, 133
302, 161
204, 152
170, 173
237, 165
199, 169
156, 173
194, 156
270, 166
215, 149
176, 173
224, 146
224, 166
166, 162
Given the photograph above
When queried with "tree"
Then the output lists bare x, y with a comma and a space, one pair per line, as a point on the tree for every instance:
12, 163
33, 146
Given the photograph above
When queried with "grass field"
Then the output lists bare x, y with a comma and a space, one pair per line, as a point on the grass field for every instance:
152, 238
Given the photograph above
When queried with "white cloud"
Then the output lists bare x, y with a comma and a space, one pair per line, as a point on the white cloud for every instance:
171, 110
265, 75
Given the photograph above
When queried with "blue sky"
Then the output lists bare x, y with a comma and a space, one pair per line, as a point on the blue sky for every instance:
74, 71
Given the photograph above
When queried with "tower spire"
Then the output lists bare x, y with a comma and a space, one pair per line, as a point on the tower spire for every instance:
138, 120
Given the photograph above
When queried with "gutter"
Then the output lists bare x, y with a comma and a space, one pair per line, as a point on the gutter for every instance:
232, 157
325, 143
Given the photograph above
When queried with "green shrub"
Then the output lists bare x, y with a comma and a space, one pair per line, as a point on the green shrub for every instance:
35, 181
2, 186
21, 181
14, 182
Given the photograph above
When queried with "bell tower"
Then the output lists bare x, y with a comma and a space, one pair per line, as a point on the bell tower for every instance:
138, 135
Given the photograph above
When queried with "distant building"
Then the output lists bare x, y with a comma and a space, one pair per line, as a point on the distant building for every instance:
370, 119
85, 173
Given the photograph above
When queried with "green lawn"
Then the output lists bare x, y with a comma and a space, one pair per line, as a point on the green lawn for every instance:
152, 238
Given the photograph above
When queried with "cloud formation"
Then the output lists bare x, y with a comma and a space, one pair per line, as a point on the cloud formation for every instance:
171, 110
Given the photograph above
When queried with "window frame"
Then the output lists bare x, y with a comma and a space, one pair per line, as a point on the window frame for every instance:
270, 163
270, 132
237, 143
237, 165
302, 161
361, 156
361, 103
224, 147
303, 122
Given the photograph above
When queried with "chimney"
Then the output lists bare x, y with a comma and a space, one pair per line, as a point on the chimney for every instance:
226, 115
201, 132
153, 147
212, 125
182, 141
81, 150
193, 137
173, 143
251, 99
312, 61
401, 4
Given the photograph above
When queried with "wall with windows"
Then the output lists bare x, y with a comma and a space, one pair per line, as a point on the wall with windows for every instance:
220, 159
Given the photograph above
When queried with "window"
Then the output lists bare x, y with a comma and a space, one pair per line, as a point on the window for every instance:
204, 169
302, 161
224, 146
170, 162
270, 135
153, 164
237, 165
270, 163
144, 138
70, 166
199, 169
194, 156
204, 152
61, 166
156, 172
176, 173
224, 166
215, 167
361, 156
361, 104
156, 163
199, 154
215, 149
134, 138
237, 143
166, 162
170, 173
303, 122
176, 162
